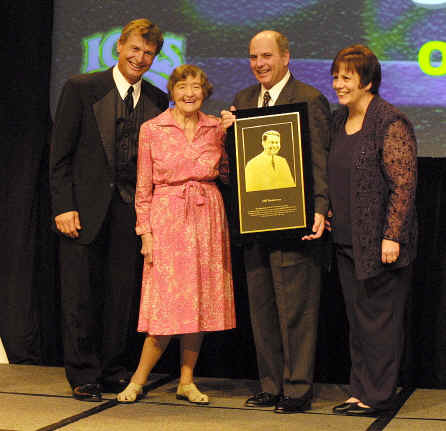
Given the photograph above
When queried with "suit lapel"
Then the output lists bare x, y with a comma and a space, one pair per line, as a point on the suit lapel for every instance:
104, 110
253, 98
287, 95
150, 109
153, 104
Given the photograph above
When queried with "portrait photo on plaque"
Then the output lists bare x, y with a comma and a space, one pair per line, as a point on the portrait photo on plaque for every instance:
272, 170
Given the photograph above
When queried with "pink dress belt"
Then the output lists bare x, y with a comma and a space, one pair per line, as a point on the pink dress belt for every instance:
193, 192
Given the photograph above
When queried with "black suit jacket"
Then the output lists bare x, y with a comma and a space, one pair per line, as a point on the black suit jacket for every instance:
82, 165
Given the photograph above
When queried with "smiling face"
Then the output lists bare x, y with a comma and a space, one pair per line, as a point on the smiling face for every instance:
268, 64
188, 95
136, 55
347, 84
271, 144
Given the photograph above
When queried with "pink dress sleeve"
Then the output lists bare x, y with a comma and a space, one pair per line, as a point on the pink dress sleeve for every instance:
144, 183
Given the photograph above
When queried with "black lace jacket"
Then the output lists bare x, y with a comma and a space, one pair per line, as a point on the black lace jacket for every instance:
383, 187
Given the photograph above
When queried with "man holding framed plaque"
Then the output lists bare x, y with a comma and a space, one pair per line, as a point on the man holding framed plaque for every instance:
284, 276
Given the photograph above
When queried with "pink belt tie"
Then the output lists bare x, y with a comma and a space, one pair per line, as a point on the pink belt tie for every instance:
193, 192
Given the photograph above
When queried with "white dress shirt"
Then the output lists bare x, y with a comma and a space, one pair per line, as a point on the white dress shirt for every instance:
123, 86
274, 91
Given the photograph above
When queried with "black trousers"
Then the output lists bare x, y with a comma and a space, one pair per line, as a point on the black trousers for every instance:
375, 310
284, 294
100, 287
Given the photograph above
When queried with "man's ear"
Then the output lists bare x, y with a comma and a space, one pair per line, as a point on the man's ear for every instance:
286, 58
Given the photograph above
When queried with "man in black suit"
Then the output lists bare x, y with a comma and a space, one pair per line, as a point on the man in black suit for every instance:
93, 178
284, 279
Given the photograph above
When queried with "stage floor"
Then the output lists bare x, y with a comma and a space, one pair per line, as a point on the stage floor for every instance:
34, 398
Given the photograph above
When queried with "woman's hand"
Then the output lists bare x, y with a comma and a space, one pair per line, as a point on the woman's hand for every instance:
227, 118
390, 251
147, 245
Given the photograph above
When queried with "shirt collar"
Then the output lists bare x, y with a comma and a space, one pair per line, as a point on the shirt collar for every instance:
274, 91
123, 85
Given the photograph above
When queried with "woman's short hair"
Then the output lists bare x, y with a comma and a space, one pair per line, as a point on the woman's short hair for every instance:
359, 59
180, 73
145, 28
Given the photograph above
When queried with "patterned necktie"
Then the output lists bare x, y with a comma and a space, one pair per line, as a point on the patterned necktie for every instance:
128, 101
266, 99
272, 162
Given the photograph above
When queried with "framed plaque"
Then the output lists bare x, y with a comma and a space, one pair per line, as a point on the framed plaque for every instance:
271, 173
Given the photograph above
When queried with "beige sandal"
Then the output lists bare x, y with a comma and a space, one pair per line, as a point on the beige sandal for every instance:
130, 394
191, 393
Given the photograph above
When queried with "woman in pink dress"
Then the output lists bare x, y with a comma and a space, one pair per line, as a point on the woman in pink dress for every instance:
187, 282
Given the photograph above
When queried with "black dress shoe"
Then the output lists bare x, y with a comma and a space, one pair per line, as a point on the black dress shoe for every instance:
88, 392
356, 410
262, 399
341, 409
292, 405
115, 386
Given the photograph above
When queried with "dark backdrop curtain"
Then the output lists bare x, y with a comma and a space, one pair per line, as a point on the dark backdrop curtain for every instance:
29, 290
428, 312
28, 301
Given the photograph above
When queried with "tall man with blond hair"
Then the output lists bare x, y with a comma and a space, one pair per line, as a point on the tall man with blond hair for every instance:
284, 279
92, 179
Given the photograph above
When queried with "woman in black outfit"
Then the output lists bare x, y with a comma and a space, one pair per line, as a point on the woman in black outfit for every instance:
372, 183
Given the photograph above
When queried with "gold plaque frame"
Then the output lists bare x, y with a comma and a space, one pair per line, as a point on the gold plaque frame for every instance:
271, 172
